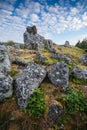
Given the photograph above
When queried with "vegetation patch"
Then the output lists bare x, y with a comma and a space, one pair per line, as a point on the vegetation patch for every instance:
10, 43
74, 102
14, 72
76, 80
36, 104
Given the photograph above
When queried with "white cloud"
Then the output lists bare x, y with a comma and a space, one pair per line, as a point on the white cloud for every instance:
34, 18
50, 20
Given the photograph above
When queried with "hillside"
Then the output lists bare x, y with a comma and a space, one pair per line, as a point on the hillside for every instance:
43, 86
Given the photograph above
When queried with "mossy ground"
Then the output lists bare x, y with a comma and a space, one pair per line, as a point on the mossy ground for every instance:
12, 118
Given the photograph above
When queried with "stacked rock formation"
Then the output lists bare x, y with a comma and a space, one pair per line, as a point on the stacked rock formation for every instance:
34, 40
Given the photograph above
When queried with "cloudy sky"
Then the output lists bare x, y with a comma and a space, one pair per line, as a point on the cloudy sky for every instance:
59, 20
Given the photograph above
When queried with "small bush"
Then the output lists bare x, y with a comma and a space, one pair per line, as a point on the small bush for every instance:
75, 101
10, 43
14, 73
36, 104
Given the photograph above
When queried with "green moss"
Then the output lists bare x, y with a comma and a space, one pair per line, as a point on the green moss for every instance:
14, 73
70, 65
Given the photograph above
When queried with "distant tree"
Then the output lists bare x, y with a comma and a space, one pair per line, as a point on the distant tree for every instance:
83, 44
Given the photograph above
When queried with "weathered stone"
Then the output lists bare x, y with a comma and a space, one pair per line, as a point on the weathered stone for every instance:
16, 46
52, 50
32, 29
41, 58
48, 44
67, 44
32, 40
54, 113
59, 74
83, 59
4, 60
27, 81
61, 57
80, 73
19, 61
6, 88
5, 79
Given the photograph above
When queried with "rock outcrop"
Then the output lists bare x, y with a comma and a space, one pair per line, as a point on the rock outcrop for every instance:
34, 40
5, 79
59, 74
61, 57
41, 58
27, 81
83, 59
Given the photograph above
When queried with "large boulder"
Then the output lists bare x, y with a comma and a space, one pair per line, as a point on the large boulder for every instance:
59, 74
6, 88
27, 81
83, 59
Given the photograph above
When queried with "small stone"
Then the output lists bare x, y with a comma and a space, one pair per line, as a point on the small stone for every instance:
54, 113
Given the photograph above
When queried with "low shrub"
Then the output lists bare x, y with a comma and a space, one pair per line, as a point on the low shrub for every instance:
36, 104
75, 101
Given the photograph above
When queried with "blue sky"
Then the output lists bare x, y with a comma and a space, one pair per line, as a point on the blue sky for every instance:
59, 20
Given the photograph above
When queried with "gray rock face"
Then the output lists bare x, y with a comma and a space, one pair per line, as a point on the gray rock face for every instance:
4, 60
80, 73
59, 74
67, 44
5, 79
6, 89
34, 40
41, 58
27, 81
19, 61
54, 112
61, 57
83, 59
16, 46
